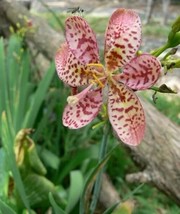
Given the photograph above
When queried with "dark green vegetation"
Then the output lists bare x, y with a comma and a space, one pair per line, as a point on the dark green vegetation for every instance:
64, 157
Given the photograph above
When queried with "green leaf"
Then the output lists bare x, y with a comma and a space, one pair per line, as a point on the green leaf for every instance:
79, 157
4, 175
7, 140
38, 97
27, 212
76, 188
49, 158
111, 209
24, 91
3, 81
35, 161
165, 89
5, 209
37, 189
86, 195
56, 208
13, 63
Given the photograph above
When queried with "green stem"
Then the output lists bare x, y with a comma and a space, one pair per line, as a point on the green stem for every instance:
169, 53
154, 88
160, 50
102, 153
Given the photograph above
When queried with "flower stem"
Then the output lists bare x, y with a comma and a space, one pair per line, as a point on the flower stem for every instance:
158, 51
102, 153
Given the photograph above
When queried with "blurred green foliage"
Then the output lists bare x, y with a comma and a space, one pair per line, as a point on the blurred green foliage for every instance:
152, 29
168, 104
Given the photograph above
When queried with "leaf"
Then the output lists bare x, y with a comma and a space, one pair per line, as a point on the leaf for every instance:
56, 208
13, 64
7, 140
5, 209
133, 192
79, 157
4, 174
26, 212
3, 82
38, 97
162, 89
111, 209
49, 158
37, 189
23, 91
86, 195
26, 154
124, 208
35, 161
165, 89
76, 188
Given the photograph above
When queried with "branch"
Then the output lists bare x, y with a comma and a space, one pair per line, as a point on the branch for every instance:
159, 153
44, 38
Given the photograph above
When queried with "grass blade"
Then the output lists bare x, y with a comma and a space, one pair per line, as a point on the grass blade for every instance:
111, 209
76, 188
5, 209
56, 208
7, 140
23, 91
13, 58
79, 157
3, 82
4, 174
85, 199
38, 97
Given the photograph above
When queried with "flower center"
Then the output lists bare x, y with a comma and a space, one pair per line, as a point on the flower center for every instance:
98, 76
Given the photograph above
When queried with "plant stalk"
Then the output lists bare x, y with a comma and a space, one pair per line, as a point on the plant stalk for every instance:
102, 154
160, 50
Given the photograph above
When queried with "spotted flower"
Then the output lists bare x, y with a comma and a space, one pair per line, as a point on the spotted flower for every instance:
78, 65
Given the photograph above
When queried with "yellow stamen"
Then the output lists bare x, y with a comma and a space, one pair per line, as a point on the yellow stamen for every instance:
95, 64
98, 81
97, 68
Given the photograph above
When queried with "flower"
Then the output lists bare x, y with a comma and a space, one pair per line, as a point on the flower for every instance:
77, 64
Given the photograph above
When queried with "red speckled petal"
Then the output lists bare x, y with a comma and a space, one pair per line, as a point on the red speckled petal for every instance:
126, 114
80, 114
69, 69
141, 73
81, 40
122, 39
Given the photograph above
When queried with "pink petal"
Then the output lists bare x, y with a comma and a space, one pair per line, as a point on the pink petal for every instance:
126, 114
69, 69
79, 96
122, 38
82, 113
81, 40
141, 73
